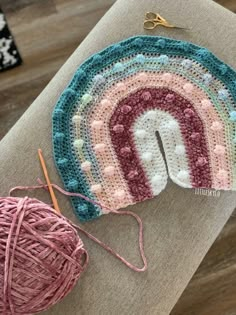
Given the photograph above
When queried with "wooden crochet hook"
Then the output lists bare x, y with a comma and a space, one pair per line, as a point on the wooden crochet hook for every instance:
52, 194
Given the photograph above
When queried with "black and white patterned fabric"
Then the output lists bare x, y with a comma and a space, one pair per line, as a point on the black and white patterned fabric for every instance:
9, 55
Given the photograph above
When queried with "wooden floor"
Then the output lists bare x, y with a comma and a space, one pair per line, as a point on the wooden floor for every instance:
47, 32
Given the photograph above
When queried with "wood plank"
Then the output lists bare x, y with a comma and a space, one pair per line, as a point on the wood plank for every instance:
39, 29
12, 5
229, 4
212, 290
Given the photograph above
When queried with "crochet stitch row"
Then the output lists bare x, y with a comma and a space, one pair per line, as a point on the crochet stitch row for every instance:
105, 123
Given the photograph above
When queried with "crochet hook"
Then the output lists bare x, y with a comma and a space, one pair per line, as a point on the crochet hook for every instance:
52, 194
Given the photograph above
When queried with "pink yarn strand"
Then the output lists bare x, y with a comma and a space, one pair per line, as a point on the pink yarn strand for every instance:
10, 258
106, 247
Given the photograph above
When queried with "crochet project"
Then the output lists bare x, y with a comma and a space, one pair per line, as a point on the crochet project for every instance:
105, 123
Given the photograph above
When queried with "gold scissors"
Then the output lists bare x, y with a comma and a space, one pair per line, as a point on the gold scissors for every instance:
152, 20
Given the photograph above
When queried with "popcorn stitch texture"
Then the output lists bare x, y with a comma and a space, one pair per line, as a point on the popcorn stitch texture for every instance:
105, 123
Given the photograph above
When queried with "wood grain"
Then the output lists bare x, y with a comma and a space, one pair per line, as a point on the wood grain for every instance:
47, 32
229, 4
212, 290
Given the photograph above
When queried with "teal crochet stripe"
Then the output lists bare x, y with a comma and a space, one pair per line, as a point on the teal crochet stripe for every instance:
65, 157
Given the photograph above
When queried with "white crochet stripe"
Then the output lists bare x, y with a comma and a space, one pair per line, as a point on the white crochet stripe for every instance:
170, 134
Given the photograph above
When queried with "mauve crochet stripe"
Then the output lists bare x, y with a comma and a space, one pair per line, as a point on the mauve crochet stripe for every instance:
149, 99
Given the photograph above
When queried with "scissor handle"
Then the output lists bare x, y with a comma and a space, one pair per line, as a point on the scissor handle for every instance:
150, 24
150, 16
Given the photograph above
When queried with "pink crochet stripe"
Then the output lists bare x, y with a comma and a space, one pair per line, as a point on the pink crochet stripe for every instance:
208, 117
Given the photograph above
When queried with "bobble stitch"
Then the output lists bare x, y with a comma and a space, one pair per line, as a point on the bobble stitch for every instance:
195, 136
118, 128
82, 210
140, 133
86, 166
118, 67
163, 59
206, 104
109, 170
96, 188
97, 124
207, 78
78, 143
132, 174
188, 87
223, 94
186, 46
146, 96
147, 156
216, 126
203, 53
99, 79
62, 162
105, 103
100, 148
188, 113
69, 94
232, 116
58, 112
156, 180
161, 43
180, 149
142, 76
119, 195
222, 174
223, 69
59, 136
117, 48
167, 77
80, 75
138, 42
219, 149
76, 119
140, 58
121, 87
172, 125
234, 140
87, 98
125, 151
187, 63
97, 59
126, 109
183, 175
72, 185
170, 98
201, 161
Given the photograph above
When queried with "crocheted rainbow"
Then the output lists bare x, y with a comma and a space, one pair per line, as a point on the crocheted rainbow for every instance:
106, 123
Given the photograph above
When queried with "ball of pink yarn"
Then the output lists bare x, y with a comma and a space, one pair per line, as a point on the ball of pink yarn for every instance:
41, 256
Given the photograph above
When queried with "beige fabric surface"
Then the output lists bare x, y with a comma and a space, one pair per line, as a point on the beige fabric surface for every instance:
179, 225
